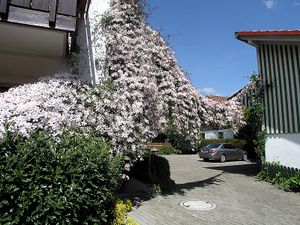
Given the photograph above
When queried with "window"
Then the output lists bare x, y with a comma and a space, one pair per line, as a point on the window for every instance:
213, 145
221, 135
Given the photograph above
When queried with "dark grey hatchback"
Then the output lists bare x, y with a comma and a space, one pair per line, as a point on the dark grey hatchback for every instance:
222, 152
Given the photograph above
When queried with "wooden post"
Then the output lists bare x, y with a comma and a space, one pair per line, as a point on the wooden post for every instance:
52, 14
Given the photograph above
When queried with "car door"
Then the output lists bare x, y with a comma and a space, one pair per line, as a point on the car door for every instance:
235, 152
227, 151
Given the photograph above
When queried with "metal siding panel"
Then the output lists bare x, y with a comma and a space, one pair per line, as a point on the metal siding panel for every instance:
297, 82
278, 90
265, 80
269, 90
287, 88
294, 118
259, 63
273, 90
283, 88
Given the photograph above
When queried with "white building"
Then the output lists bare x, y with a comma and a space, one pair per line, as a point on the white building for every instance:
218, 134
278, 54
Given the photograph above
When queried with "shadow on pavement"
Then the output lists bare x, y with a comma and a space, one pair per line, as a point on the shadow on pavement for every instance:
180, 188
244, 169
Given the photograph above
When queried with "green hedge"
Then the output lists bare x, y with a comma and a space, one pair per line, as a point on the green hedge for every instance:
159, 173
237, 142
48, 182
286, 178
168, 150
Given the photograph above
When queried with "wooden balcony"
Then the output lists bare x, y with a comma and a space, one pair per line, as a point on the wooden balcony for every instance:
53, 14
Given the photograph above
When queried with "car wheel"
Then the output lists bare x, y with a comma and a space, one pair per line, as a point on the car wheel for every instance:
245, 157
222, 158
205, 159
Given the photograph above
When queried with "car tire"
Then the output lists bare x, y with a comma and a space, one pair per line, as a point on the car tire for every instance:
245, 157
222, 158
205, 159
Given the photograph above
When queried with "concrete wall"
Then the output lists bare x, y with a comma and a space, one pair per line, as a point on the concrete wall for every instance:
284, 148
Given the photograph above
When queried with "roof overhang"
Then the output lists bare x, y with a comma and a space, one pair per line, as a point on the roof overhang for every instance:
257, 38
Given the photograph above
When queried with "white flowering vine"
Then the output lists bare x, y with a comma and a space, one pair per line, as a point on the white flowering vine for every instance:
142, 91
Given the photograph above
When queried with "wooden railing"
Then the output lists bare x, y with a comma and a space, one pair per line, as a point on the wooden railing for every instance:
58, 14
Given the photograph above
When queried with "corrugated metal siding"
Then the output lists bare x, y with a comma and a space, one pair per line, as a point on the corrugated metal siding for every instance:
280, 70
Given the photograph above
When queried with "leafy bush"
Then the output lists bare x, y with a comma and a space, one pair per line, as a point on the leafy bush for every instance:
237, 142
43, 181
168, 150
122, 207
283, 177
252, 132
179, 140
158, 173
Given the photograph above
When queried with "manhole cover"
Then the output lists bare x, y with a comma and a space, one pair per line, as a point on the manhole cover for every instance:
198, 205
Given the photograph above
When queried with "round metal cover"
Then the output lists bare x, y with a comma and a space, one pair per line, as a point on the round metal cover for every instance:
198, 205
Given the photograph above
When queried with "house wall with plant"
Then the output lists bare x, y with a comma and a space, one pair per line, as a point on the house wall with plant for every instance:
278, 54
280, 66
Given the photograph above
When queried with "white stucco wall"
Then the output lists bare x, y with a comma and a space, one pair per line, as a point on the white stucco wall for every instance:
92, 48
284, 148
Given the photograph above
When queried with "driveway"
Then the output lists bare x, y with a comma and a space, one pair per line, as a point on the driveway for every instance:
239, 197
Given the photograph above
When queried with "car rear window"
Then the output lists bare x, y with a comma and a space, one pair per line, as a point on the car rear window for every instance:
216, 145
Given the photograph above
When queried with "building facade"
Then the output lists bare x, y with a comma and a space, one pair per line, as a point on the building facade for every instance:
37, 36
278, 55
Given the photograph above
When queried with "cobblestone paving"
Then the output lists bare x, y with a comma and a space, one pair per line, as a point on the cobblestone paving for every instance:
240, 198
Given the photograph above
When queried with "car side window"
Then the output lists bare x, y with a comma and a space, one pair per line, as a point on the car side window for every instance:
232, 146
225, 146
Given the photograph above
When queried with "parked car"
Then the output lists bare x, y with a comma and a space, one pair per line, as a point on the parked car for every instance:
222, 152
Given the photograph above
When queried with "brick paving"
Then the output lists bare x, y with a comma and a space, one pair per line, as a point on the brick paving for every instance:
240, 198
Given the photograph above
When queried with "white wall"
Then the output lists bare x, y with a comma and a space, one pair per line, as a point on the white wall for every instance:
284, 148
92, 48
27, 53
214, 134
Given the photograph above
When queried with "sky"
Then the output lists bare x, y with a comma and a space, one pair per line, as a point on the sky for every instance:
202, 35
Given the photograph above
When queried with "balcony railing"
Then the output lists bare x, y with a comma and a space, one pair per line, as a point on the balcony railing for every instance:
56, 14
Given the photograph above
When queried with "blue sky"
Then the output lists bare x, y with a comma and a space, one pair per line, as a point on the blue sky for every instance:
201, 32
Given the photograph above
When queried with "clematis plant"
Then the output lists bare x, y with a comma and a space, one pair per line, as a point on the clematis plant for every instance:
142, 90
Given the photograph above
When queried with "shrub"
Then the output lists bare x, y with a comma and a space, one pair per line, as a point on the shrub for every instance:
43, 181
179, 140
168, 150
122, 207
283, 177
159, 173
237, 142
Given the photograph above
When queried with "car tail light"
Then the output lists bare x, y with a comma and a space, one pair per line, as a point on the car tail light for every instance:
212, 151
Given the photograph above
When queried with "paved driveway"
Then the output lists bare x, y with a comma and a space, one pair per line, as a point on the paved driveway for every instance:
240, 198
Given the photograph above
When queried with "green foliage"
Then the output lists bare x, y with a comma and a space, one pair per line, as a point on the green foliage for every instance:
283, 177
44, 181
168, 150
179, 141
237, 142
252, 132
157, 173
259, 144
